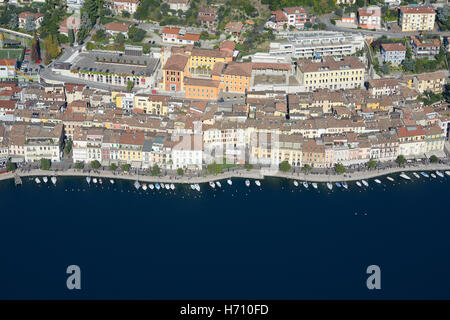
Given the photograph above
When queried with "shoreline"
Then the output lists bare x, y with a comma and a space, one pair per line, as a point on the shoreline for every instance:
250, 174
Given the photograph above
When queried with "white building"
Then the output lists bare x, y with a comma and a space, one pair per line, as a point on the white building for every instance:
188, 153
74, 5
8, 68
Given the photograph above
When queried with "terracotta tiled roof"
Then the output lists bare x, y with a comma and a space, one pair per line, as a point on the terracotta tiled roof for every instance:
117, 26
393, 47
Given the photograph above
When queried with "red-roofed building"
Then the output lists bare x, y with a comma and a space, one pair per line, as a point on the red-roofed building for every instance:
292, 16
176, 35
412, 140
114, 28
119, 6
36, 18
425, 47
369, 18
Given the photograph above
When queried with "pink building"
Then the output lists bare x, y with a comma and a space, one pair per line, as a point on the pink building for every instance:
369, 18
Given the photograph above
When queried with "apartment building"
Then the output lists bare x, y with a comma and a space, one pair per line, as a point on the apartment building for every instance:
416, 18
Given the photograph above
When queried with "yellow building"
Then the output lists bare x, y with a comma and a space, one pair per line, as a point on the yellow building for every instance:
130, 148
151, 104
331, 73
434, 139
416, 18
433, 82
202, 61
233, 77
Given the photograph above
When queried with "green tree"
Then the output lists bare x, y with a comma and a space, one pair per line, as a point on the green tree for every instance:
136, 34
130, 85
113, 167
306, 168
95, 164
248, 166
14, 21
371, 164
11, 166
214, 168
434, 159
400, 160
125, 14
45, 164
35, 49
71, 37
180, 171
29, 24
68, 147
126, 167
155, 170
285, 166
79, 165
340, 168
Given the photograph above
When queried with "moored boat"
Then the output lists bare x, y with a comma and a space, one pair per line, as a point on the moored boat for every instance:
157, 186
45, 179
416, 175
144, 186
258, 183
53, 180
425, 174
440, 174
111, 181
447, 173
390, 179
404, 176
433, 175
37, 180
296, 183
305, 184
197, 187
358, 184
162, 185
137, 185
88, 179
345, 185
100, 181
219, 184
172, 186
377, 181
365, 183
229, 182
314, 185
247, 183
338, 184
212, 184
192, 187
167, 186
94, 180
329, 185
151, 186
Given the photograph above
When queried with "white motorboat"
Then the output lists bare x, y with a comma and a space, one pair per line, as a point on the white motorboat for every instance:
45, 179
192, 187
37, 180
425, 174
364, 182
329, 185
247, 183
144, 186
258, 183
358, 184
377, 181
212, 184
137, 185
447, 173
88, 180
111, 181
296, 183
345, 185
415, 174
390, 179
157, 186
219, 184
440, 174
151, 186
53, 180
172, 186
167, 186
94, 180
100, 181
229, 182
314, 185
305, 184
197, 187
162, 185
404, 176
433, 175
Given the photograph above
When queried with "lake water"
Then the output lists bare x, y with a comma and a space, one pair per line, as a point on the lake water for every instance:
274, 242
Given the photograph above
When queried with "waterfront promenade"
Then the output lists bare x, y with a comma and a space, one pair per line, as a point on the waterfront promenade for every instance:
250, 174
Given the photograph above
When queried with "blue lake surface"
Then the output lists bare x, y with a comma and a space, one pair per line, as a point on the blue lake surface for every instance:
274, 242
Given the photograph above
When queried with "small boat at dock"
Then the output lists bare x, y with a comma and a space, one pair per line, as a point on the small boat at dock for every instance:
229, 182
157, 186
338, 184
212, 184
345, 185
329, 185
377, 181
219, 184
247, 183
197, 187
94, 180
37, 180
305, 184
416, 175
88, 180
390, 179
167, 186
45, 179
151, 186
358, 184
172, 186
447, 173
111, 181
296, 183
433, 175
258, 183
162, 185
314, 185
137, 185
144, 186
192, 187
365, 183
440, 174
404, 176
100, 181
425, 174
53, 180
